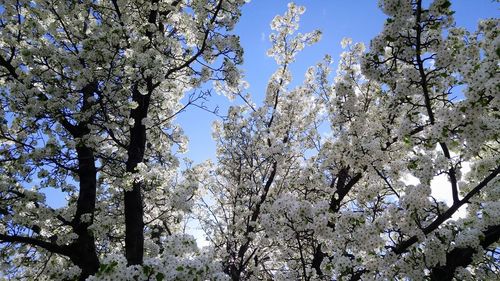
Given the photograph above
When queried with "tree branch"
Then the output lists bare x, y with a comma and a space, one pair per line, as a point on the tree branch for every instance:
403, 246
462, 257
51, 247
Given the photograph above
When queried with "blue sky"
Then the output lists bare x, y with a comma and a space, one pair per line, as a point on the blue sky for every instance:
360, 20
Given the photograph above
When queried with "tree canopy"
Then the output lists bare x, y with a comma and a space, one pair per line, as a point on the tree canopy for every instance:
309, 184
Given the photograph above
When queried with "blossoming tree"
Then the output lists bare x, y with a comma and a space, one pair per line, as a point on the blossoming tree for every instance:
311, 185
89, 91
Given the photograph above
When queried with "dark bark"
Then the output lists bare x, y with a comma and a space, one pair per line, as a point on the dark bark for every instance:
318, 257
462, 257
134, 211
83, 249
82, 252
342, 188
49, 246
134, 222
134, 225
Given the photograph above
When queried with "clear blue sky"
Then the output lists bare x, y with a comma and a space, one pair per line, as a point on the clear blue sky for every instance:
360, 20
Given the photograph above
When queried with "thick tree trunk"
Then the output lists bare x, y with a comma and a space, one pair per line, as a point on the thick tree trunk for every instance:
134, 223
134, 226
84, 249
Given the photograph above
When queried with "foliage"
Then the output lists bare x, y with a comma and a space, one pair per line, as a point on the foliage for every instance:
314, 183
89, 94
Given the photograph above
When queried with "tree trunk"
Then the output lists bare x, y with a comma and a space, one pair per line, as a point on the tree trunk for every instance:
84, 249
134, 224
